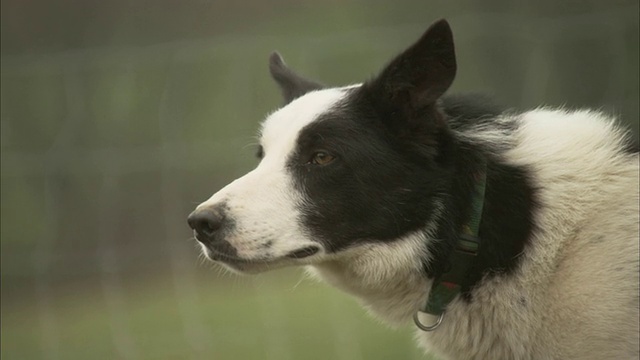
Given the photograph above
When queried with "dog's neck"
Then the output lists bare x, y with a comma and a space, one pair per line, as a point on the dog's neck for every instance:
388, 278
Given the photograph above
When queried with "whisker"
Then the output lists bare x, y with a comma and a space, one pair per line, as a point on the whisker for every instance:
295, 286
250, 144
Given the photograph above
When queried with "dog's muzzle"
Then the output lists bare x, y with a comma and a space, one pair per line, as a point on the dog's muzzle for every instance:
215, 230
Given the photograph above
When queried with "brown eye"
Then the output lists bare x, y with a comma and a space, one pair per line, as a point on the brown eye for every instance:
321, 158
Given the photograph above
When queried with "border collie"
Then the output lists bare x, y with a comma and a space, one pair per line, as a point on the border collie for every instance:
503, 235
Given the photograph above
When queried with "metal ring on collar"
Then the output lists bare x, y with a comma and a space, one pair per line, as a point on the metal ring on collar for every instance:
423, 327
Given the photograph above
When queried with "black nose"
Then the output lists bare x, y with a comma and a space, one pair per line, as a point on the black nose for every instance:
205, 222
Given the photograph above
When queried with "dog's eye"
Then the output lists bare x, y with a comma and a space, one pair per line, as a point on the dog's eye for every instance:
321, 158
260, 152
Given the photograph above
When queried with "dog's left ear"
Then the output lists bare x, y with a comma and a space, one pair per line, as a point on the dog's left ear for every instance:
410, 85
291, 84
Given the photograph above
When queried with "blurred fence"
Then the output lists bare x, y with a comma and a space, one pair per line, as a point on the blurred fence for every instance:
106, 150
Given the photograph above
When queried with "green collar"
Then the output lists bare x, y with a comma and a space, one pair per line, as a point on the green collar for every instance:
447, 286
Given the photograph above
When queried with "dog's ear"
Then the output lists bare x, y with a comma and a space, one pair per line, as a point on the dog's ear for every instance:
291, 84
413, 81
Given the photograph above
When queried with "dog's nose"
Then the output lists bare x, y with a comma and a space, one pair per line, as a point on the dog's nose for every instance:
205, 222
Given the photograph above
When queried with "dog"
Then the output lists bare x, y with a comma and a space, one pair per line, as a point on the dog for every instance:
501, 234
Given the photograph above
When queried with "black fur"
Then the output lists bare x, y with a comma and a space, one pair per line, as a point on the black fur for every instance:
377, 188
398, 154
510, 201
507, 218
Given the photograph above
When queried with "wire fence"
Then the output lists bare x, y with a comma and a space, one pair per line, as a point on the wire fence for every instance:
105, 211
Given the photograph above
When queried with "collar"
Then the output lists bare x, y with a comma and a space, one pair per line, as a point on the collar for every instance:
448, 285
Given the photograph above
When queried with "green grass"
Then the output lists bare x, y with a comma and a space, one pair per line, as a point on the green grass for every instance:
272, 316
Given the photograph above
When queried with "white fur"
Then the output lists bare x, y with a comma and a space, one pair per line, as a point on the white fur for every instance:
575, 294
263, 202
585, 248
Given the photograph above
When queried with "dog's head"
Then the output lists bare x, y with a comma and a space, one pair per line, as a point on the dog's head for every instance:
340, 167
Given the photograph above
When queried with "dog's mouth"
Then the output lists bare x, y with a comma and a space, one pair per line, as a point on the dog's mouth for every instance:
222, 257
303, 253
235, 263
258, 264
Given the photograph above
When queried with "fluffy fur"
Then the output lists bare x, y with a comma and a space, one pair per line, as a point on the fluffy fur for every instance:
368, 186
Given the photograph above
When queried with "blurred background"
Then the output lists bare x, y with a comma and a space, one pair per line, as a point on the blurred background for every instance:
118, 117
